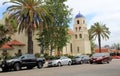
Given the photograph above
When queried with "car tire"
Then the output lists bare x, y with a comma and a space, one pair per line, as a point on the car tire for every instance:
17, 67
69, 63
39, 65
103, 61
59, 64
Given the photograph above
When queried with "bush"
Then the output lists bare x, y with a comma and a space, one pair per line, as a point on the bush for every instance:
69, 56
37, 55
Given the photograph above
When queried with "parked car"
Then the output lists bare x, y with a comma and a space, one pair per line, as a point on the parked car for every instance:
100, 58
26, 60
80, 59
62, 60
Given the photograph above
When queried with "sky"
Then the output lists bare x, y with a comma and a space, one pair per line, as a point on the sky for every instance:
103, 11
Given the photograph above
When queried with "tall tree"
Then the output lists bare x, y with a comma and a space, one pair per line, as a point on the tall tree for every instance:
99, 31
30, 15
57, 37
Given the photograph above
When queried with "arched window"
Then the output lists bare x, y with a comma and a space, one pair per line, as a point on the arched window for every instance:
80, 35
76, 36
83, 21
78, 22
71, 48
79, 28
78, 50
76, 29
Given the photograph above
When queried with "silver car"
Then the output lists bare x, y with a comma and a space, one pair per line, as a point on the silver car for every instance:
80, 59
62, 60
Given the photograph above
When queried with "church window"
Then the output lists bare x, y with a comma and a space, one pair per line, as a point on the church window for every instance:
76, 36
80, 35
83, 21
79, 28
76, 29
71, 47
78, 22
78, 50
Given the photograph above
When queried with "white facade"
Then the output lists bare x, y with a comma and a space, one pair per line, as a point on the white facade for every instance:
79, 43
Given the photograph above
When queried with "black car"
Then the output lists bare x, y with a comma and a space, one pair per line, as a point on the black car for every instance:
26, 60
80, 59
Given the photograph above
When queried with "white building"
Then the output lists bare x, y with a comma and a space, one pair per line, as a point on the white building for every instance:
79, 43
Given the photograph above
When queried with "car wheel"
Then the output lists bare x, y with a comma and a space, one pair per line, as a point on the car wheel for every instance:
69, 63
39, 65
17, 67
81, 62
103, 62
91, 62
59, 64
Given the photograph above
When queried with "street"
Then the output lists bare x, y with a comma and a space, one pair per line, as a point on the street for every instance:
112, 69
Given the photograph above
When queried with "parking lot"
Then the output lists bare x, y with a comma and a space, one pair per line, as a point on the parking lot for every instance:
111, 69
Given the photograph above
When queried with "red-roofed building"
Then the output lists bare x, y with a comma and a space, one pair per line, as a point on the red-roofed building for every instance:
102, 50
6, 47
16, 43
12, 47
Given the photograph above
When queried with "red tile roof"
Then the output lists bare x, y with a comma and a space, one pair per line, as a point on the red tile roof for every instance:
16, 43
6, 47
70, 32
102, 50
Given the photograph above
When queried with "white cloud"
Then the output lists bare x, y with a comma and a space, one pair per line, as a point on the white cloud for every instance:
2, 1
105, 11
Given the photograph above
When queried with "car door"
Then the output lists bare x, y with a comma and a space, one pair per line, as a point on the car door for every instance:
66, 60
24, 60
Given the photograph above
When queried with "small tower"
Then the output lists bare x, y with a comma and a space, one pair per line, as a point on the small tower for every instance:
81, 42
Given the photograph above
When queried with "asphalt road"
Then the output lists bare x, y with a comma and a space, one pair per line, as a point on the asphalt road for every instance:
112, 69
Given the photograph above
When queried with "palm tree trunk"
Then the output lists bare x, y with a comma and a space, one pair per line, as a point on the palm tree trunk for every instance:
30, 41
99, 41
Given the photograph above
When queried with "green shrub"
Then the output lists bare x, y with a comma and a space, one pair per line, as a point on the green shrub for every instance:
37, 55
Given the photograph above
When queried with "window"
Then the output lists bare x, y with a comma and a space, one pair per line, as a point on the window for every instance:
83, 21
71, 47
80, 35
76, 36
76, 29
78, 22
79, 28
78, 49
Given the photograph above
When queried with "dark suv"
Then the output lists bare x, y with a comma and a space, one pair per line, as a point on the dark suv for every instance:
26, 60
100, 58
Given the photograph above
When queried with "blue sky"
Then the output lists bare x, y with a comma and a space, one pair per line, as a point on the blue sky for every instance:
104, 11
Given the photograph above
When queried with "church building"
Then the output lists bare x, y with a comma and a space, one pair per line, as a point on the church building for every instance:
78, 44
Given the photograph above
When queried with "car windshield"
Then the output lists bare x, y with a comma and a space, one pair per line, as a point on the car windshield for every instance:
76, 57
97, 55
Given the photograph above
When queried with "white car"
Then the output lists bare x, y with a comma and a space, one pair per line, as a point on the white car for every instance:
62, 60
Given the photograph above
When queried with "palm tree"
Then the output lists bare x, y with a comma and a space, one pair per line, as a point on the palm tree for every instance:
99, 31
30, 15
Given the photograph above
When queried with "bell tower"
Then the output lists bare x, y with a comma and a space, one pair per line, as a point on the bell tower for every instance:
81, 37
